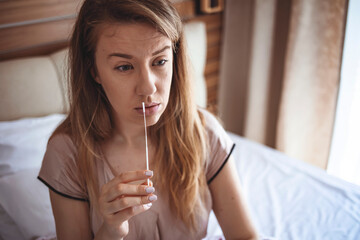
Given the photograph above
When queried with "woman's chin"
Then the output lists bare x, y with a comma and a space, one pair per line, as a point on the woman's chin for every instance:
152, 120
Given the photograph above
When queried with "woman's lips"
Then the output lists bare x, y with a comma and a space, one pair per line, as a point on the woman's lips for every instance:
149, 109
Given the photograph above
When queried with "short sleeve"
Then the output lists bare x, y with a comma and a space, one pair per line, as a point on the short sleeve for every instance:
220, 146
59, 170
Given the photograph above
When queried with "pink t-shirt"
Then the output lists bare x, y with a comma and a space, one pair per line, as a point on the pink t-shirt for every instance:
59, 172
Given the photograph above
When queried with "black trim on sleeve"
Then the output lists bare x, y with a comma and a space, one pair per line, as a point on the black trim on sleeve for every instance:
60, 193
226, 159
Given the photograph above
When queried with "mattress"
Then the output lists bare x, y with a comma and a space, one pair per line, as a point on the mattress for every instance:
290, 199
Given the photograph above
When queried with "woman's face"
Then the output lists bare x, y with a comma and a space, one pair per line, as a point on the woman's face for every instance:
134, 65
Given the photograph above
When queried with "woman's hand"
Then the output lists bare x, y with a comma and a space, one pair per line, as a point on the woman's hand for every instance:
120, 200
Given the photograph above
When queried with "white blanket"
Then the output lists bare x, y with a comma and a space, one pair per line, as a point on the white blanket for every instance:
290, 199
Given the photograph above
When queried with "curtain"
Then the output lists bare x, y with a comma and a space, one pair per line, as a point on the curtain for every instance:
280, 71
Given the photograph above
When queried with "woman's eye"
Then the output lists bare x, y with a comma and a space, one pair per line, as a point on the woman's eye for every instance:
124, 68
160, 63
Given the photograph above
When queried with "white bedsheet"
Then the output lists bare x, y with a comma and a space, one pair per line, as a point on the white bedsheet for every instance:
287, 199
290, 199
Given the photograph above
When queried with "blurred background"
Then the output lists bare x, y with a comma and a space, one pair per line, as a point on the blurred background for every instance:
284, 73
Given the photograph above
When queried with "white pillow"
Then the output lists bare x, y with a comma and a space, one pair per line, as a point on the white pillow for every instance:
23, 142
27, 202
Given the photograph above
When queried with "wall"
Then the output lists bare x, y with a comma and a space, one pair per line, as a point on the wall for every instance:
39, 27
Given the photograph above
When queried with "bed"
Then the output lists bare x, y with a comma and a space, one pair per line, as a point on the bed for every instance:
286, 198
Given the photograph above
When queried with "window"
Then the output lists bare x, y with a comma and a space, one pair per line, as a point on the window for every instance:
344, 158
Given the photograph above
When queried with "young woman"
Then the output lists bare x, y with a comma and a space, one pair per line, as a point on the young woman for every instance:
123, 53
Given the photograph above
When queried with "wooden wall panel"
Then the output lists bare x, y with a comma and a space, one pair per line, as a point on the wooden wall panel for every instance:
33, 27
213, 52
39, 27
186, 9
25, 11
37, 34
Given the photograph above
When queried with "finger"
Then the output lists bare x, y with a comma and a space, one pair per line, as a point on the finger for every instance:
126, 202
127, 177
130, 212
151, 184
128, 189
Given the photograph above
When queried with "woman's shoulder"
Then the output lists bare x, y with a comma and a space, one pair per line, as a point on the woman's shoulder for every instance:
60, 156
211, 122
59, 169
216, 133
61, 143
220, 145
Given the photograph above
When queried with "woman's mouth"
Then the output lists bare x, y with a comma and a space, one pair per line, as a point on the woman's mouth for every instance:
150, 109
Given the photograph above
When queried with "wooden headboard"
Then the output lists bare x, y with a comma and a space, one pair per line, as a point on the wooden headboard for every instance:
39, 27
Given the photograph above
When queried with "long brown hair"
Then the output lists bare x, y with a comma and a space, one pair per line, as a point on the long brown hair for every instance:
179, 133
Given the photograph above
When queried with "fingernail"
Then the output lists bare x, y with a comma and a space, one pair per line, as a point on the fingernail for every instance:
148, 173
147, 206
152, 198
150, 189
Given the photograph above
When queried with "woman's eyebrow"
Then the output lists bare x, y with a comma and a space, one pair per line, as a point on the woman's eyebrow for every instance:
161, 50
123, 55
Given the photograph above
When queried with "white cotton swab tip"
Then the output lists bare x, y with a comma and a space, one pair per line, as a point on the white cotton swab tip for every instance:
143, 105
146, 144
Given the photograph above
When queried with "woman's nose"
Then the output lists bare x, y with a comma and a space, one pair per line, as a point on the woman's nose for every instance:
146, 84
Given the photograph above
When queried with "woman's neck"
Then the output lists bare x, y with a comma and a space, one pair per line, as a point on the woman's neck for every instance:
131, 135
127, 133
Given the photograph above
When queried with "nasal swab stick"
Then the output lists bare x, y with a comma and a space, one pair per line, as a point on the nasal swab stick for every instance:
146, 144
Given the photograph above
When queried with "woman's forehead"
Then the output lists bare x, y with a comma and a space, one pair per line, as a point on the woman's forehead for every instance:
131, 38
128, 30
